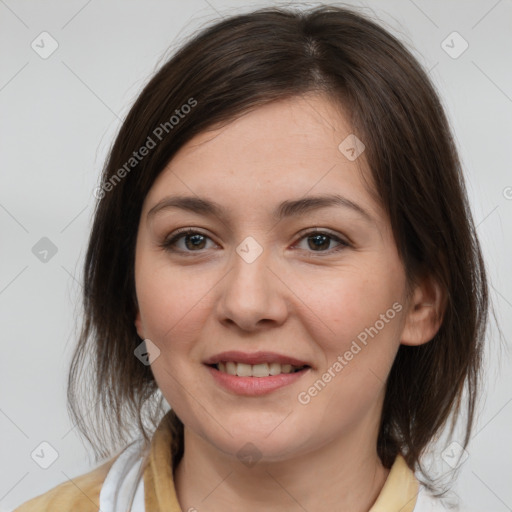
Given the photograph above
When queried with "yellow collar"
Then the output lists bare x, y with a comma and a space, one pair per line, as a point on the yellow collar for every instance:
397, 495
399, 491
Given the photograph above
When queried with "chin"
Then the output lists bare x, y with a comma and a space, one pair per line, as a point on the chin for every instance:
269, 444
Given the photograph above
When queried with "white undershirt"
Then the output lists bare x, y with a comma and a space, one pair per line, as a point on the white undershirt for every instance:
123, 477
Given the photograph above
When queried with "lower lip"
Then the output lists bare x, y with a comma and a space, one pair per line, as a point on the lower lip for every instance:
254, 386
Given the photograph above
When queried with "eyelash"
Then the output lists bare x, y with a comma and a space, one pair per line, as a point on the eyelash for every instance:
168, 244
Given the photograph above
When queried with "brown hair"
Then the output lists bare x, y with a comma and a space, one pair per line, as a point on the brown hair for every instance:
234, 66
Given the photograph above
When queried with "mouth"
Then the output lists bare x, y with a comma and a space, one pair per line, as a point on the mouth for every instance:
256, 370
257, 373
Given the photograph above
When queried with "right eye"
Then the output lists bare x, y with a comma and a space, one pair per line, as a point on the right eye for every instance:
194, 241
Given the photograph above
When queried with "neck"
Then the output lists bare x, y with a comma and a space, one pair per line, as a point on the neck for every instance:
345, 474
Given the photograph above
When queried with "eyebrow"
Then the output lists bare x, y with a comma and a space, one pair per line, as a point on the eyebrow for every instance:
288, 208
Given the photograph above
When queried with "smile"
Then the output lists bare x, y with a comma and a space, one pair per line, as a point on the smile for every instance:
256, 370
254, 380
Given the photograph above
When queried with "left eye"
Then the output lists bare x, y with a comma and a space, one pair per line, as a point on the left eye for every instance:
320, 240
195, 241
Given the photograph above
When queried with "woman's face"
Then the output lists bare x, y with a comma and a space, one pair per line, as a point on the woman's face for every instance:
254, 278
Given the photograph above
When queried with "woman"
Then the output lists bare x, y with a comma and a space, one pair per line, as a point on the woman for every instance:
282, 250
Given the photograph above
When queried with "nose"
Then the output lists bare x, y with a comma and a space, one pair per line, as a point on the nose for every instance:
253, 295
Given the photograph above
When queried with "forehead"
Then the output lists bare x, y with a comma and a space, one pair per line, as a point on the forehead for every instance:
287, 148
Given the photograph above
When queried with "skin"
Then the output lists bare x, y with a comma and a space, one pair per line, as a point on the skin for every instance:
292, 299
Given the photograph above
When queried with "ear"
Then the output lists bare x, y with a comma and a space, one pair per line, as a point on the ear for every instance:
425, 312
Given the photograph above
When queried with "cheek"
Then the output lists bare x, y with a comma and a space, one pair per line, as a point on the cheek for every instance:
172, 302
363, 316
353, 304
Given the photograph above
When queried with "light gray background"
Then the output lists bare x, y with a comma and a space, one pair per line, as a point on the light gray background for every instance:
58, 117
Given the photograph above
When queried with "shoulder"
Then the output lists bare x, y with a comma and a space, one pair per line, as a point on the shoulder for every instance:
79, 494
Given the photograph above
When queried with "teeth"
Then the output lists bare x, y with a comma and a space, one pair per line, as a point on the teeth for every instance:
255, 370
243, 370
275, 368
260, 370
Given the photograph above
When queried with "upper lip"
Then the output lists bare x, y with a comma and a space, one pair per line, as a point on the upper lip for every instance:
254, 358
